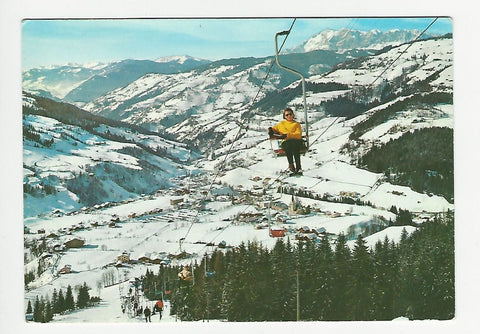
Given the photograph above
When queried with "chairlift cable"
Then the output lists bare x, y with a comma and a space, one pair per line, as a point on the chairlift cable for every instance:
237, 136
273, 63
268, 187
409, 45
383, 72
328, 127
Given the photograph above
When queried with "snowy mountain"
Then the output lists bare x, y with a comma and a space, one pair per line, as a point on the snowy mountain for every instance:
380, 162
83, 83
201, 105
205, 105
348, 39
57, 81
72, 160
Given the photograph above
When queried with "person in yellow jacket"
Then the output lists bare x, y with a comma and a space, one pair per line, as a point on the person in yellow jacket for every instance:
290, 132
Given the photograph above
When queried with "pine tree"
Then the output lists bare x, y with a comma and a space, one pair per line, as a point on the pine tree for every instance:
54, 301
308, 281
38, 310
69, 302
282, 282
386, 280
29, 307
361, 289
60, 307
48, 311
234, 297
341, 305
83, 297
326, 280
215, 283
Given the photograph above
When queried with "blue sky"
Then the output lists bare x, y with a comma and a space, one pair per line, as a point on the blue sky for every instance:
55, 42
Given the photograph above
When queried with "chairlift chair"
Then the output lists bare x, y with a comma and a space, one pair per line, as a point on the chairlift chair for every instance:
279, 151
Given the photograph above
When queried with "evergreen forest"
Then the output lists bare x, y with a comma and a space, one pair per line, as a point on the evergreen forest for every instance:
413, 278
44, 308
422, 160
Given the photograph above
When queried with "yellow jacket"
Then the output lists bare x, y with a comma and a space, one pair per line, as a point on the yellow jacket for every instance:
291, 128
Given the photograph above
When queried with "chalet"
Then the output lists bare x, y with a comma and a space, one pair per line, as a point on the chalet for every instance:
305, 236
261, 226
67, 269
74, 242
179, 256
41, 231
57, 213
320, 231
277, 232
52, 235
113, 224
156, 258
349, 193
145, 257
225, 191
176, 201
249, 217
304, 229
124, 257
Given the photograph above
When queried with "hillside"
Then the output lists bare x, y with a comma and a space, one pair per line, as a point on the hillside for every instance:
73, 159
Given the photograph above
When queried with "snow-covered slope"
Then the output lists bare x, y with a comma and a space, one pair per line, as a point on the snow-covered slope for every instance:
67, 167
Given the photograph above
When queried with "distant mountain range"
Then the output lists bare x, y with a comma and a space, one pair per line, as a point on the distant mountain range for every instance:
203, 108
81, 84
347, 39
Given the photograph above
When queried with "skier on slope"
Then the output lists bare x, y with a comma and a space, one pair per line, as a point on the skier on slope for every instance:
159, 308
290, 132
147, 314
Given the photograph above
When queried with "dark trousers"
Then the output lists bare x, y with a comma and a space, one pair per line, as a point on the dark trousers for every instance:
292, 150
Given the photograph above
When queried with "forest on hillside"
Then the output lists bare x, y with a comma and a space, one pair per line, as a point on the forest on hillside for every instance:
413, 278
422, 160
